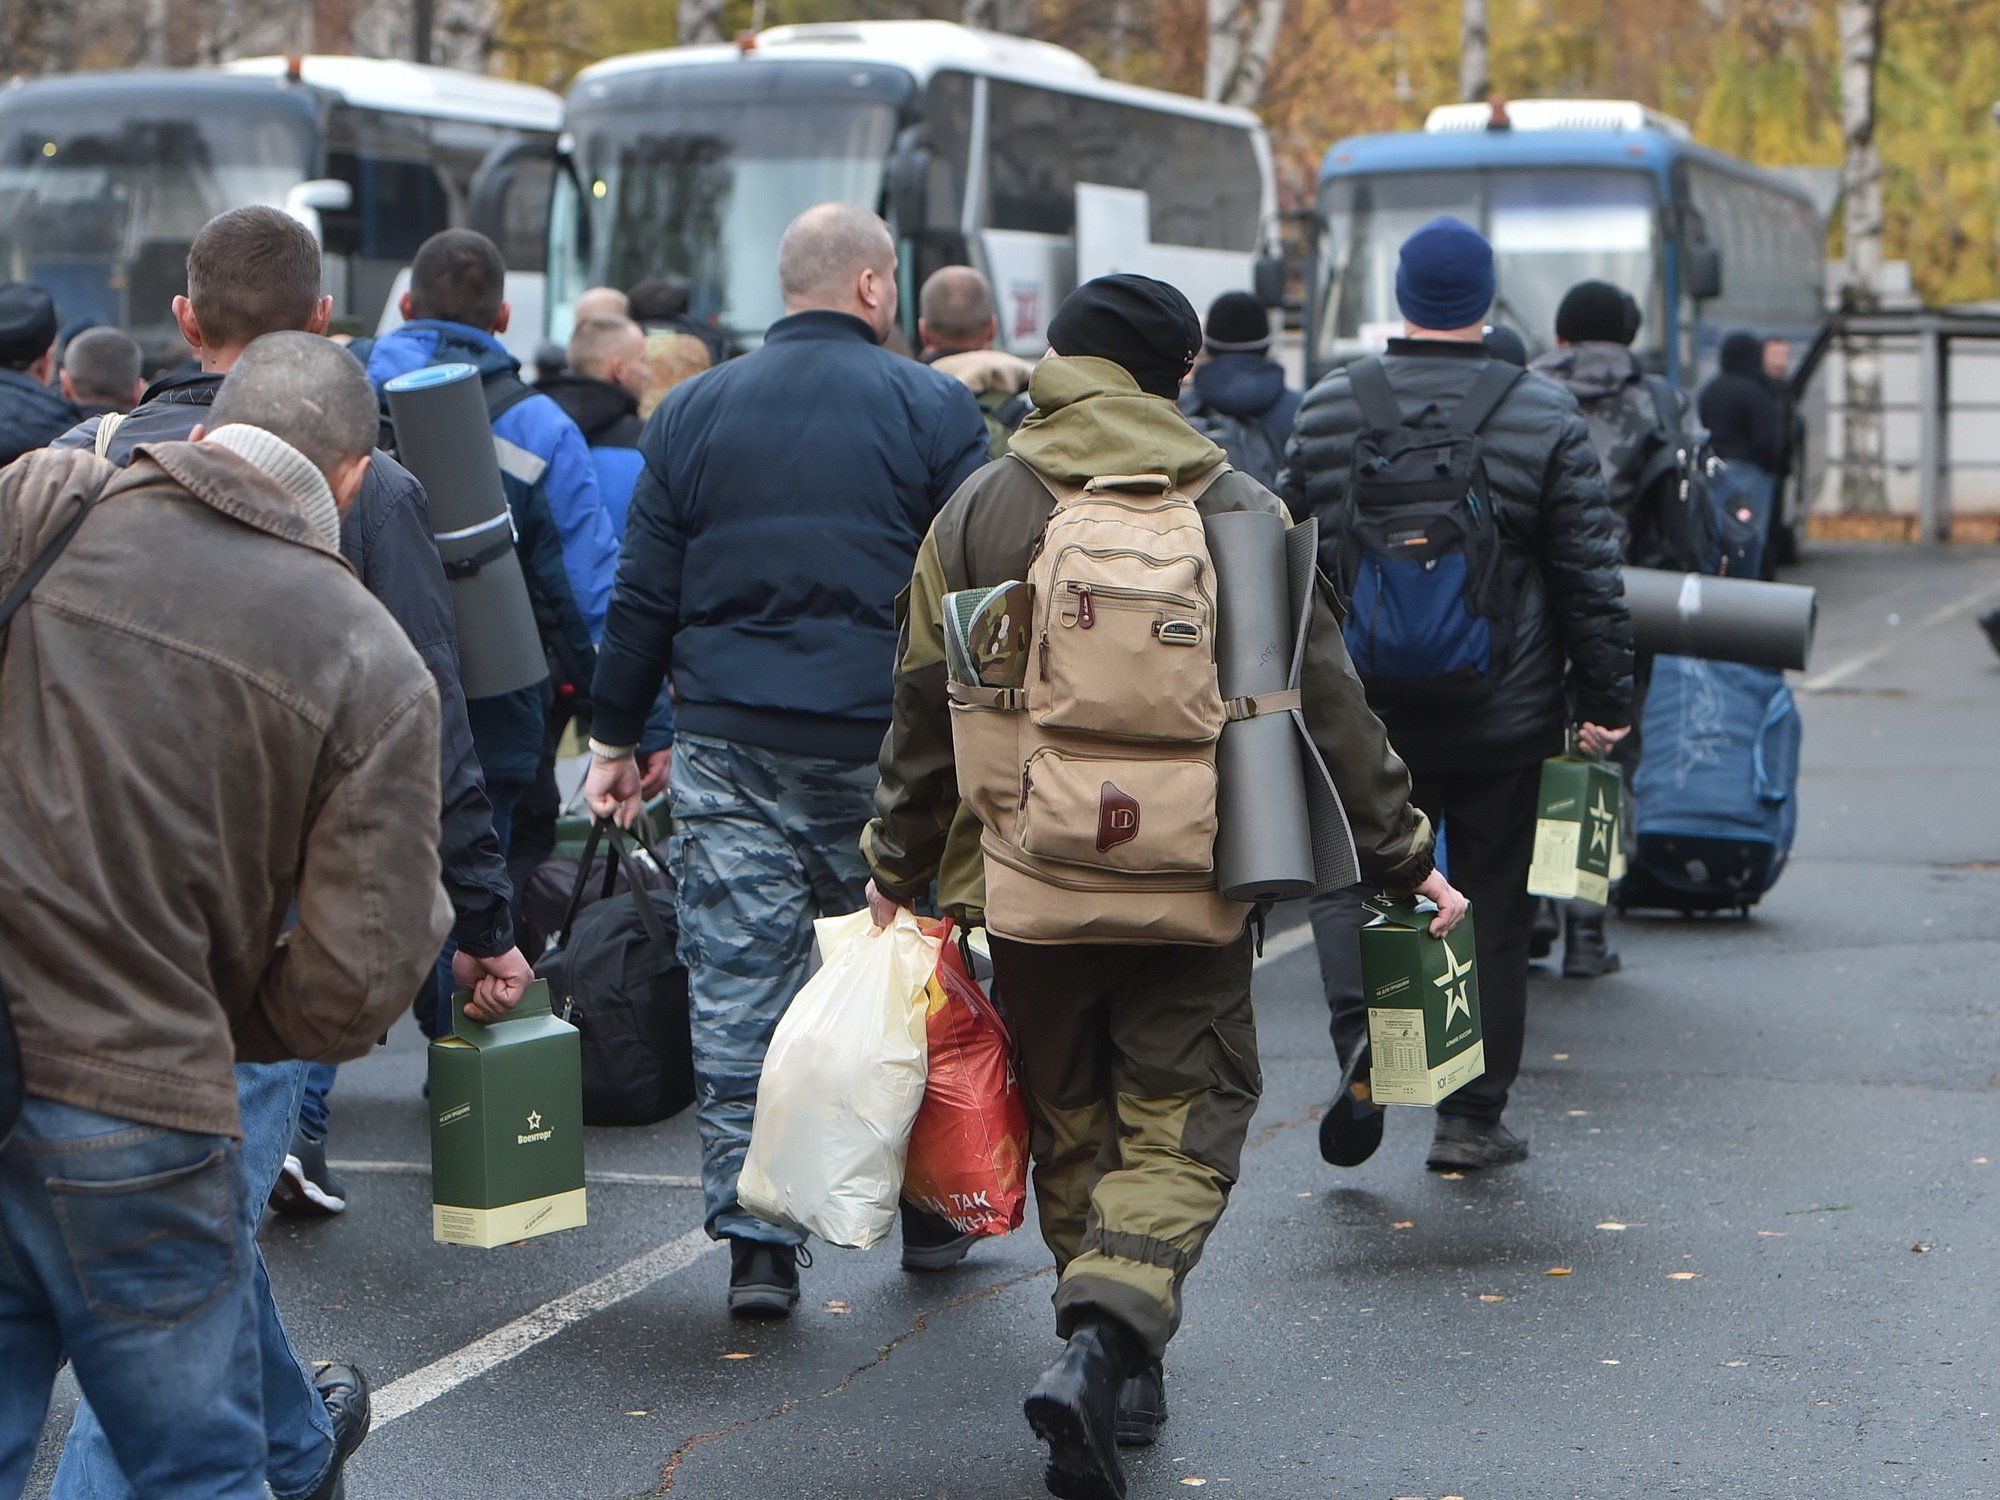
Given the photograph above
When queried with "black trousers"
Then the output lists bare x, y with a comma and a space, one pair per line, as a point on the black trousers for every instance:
1488, 818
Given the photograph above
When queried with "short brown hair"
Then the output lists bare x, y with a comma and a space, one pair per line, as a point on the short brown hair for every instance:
458, 276
250, 272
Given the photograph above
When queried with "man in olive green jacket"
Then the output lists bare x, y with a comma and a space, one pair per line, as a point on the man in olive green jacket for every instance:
1139, 1062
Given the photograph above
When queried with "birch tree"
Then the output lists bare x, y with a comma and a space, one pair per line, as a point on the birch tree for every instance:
1473, 80
1242, 37
1015, 17
698, 21
1862, 486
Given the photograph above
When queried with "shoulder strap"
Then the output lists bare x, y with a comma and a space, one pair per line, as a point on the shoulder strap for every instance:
107, 429
1370, 384
1489, 389
25, 585
503, 393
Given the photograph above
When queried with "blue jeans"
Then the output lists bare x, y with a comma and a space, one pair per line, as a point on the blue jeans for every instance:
294, 1422
128, 1248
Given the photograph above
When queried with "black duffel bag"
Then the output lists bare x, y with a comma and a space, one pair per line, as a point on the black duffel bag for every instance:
543, 906
614, 975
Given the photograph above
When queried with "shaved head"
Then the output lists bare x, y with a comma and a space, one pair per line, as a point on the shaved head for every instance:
841, 258
308, 391
102, 365
612, 349
956, 309
600, 302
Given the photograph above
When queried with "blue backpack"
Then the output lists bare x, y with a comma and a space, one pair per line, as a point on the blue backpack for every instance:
1419, 548
1716, 787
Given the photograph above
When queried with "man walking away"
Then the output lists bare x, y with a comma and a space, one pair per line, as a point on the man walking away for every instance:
662, 306
600, 393
142, 913
783, 499
100, 372
1746, 428
31, 414
1782, 547
1521, 591
957, 325
1138, 1058
1239, 398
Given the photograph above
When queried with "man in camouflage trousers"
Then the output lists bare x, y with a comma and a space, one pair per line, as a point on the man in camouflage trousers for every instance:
782, 501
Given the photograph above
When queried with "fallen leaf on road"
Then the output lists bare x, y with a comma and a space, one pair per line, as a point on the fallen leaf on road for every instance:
1192, 1480
1770, 1234
1682, 1275
1610, 1224
1557, 1271
1980, 1161
1607, 1361
1579, 1112
736, 1356
1920, 1248
1451, 1176
837, 1307
1404, 1224
1560, 1056
638, 1414
1491, 1297
1734, 1364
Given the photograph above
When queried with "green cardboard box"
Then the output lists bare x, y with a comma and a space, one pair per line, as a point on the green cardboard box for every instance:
506, 1125
1576, 830
1424, 1036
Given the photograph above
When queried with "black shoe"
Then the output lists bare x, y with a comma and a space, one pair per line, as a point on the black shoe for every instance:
1142, 1407
1463, 1145
1074, 1409
1543, 929
344, 1389
1585, 953
1990, 623
1351, 1129
930, 1243
306, 1187
763, 1279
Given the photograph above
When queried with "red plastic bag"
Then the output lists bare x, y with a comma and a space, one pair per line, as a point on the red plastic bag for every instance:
968, 1155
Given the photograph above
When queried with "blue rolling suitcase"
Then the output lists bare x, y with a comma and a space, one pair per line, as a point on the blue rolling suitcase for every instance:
1716, 788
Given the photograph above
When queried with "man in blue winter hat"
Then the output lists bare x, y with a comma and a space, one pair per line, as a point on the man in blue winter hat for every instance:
1526, 634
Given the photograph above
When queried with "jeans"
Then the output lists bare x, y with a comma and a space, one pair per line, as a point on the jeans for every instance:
128, 1248
294, 1420
764, 841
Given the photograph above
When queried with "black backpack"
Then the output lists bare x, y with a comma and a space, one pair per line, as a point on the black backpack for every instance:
614, 975
1677, 517
1420, 552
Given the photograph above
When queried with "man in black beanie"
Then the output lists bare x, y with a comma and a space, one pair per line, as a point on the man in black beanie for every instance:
32, 415
1238, 396
1137, 1052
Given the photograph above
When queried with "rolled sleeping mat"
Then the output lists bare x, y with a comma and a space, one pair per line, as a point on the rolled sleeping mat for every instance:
443, 436
1263, 841
1722, 619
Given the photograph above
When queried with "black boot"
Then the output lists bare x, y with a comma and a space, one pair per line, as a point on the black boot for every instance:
1074, 1409
1544, 927
1585, 953
1142, 1407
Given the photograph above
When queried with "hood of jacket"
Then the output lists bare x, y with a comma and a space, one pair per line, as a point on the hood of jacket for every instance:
594, 405
1743, 354
1240, 385
1091, 418
1591, 370
432, 341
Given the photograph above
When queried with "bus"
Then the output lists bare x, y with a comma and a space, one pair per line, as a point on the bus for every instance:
1008, 154
105, 178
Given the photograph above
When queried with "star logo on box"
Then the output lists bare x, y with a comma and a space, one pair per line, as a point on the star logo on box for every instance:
1454, 985
1601, 819
534, 1132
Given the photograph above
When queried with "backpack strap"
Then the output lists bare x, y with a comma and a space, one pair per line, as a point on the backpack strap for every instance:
1370, 383
1488, 390
107, 429
503, 393
1666, 408
25, 585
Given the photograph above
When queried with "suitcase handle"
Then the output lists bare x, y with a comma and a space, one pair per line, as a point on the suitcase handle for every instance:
1767, 790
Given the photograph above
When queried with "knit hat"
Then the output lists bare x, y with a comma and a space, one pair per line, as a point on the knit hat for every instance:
1444, 278
1237, 324
27, 323
1595, 312
1144, 325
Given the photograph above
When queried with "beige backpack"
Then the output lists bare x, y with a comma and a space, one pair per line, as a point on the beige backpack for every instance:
1095, 782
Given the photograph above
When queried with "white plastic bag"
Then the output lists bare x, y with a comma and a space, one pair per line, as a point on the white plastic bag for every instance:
842, 1084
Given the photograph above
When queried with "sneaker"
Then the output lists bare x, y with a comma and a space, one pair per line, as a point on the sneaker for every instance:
306, 1187
930, 1243
1543, 930
1463, 1145
1142, 1407
764, 1278
1351, 1129
344, 1389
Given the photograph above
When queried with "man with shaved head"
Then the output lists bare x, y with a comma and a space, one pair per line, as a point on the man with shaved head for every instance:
957, 324
782, 502
100, 371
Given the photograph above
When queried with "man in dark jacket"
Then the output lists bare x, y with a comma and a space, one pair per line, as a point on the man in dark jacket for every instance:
1746, 425
31, 414
957, 327
1238, 397
600, 392
254, 271
783, 499
1477, 769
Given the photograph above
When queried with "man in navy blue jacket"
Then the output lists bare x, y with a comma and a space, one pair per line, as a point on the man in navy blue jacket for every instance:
778, 516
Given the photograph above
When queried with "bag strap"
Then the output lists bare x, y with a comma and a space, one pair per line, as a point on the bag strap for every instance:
503, 392
1488, 390
25, 585
620, 857
107, 429
1370, 383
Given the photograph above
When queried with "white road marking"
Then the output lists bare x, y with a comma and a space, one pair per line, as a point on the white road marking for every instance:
1900, 636
613, 1179
442, 1376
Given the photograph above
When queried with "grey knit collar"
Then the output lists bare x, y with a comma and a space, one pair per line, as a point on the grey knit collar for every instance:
293, 472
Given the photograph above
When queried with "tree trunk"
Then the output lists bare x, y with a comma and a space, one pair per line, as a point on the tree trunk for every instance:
1862, 483
1242, 37
1014, 17
1473, 84
698, 21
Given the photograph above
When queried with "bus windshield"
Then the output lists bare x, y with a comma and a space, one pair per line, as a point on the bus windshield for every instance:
1550, 229
701, 194
99, 202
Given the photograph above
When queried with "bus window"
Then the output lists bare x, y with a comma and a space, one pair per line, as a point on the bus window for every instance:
397, 206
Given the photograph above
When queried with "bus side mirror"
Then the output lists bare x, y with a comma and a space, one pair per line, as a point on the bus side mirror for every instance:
1702, 271
1267, 280
909, 186
306, 201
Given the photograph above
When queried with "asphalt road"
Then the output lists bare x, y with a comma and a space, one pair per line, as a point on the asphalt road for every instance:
1766, 1163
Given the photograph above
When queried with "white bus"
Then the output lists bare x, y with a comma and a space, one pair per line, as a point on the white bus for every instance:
1008, 154
105, 178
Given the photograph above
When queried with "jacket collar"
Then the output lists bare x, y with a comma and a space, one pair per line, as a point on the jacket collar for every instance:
820, 323
1439, 349
228, 483
197, 388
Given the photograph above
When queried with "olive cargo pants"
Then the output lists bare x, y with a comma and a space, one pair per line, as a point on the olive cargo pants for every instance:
1139, 1065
